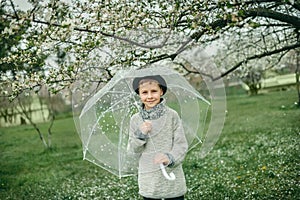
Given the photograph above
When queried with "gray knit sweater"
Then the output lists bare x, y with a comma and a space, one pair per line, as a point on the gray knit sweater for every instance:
167, 136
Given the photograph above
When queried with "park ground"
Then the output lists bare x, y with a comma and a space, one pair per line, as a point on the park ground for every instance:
256, 157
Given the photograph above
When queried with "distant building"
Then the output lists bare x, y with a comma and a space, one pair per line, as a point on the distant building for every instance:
12, 115
282, 81
236, 86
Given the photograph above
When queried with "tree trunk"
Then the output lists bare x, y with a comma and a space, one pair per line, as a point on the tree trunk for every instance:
28, 117
297, 72
50, 132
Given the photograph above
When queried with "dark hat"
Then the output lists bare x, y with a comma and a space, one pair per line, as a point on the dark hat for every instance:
162, 83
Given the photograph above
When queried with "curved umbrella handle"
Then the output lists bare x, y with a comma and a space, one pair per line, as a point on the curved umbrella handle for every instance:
170, 177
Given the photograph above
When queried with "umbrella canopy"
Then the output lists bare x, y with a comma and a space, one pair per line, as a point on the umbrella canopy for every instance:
104, 121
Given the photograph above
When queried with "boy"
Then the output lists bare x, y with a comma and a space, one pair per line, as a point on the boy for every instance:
157, 137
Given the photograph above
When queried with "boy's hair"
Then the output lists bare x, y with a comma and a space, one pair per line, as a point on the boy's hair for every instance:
157, 78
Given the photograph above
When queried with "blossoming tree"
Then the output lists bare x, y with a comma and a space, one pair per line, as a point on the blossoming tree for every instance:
104, 36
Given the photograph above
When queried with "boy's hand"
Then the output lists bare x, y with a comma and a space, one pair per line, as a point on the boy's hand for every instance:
161, 158
146, 127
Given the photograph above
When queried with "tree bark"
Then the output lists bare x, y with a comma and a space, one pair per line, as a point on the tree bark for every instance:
297, 72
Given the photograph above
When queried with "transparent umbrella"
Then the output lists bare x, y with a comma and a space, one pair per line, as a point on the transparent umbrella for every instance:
104, 121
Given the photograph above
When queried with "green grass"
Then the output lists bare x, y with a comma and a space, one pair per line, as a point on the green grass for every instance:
256, 157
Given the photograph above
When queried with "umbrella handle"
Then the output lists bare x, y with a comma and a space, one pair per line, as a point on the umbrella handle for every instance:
170, 177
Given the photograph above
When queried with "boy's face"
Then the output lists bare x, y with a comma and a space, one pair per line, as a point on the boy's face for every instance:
150, 94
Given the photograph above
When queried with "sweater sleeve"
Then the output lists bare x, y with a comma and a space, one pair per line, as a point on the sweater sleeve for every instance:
180, 145
137, 139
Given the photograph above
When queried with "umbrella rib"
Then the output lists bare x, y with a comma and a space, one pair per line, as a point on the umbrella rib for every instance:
120, 142
118, 92
88, 106
102, 114
198, 96
120, 134
193, 92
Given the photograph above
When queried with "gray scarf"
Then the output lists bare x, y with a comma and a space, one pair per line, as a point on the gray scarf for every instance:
155, 112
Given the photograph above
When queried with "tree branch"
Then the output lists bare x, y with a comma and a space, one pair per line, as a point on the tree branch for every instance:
135, 43
14, 9
96, 32
285, 48
261, 12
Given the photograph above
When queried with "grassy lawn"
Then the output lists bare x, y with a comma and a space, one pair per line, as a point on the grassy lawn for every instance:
256, 157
